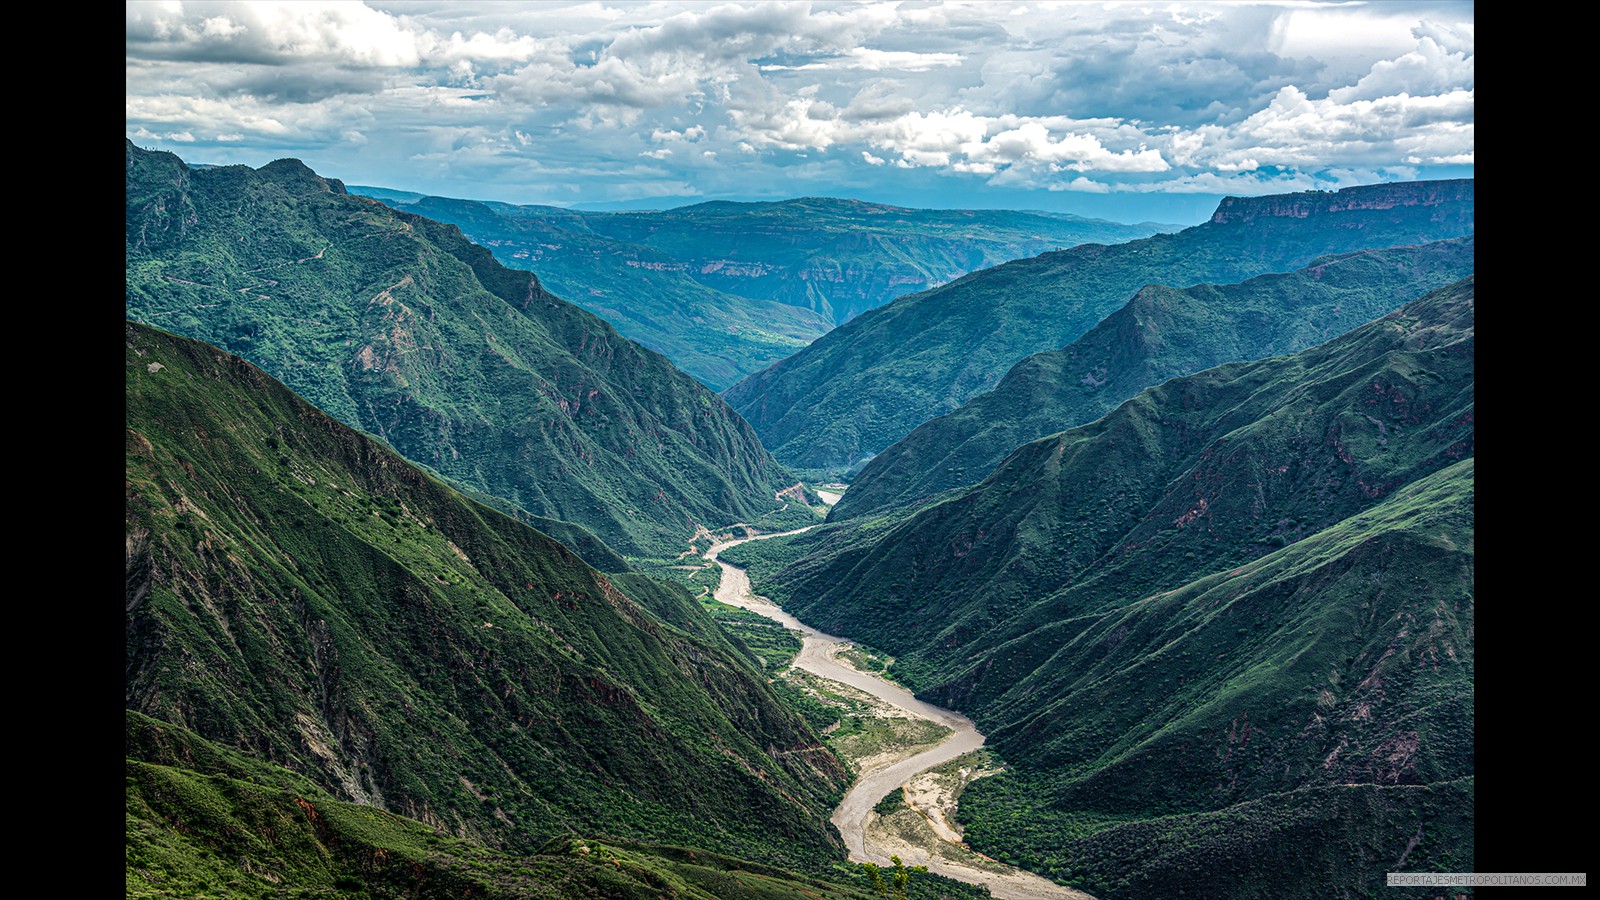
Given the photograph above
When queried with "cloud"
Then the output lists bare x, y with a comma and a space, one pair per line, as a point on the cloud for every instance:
271, 33
277, 32
1032, 143
871, 60
1067, 97
1428, 69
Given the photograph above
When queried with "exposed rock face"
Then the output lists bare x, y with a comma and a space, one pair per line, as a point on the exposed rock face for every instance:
1375, 196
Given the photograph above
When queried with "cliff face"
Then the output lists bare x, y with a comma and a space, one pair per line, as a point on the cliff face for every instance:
1373, 196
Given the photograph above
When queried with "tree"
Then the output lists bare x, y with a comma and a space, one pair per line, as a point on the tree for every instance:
899, 880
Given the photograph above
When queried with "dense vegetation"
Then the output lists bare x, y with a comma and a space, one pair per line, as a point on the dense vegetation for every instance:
300, 594
1252, 581
203, 820
1160, 334
868, 383
395, 324
1257, 696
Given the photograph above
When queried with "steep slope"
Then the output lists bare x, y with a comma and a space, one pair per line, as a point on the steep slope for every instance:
397, 325
868, 383
206, 821
1200, 473
715, 336
298, 592
1160, 334
1194, 624
1294, 727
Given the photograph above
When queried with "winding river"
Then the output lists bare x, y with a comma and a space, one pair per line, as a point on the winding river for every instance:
819, 655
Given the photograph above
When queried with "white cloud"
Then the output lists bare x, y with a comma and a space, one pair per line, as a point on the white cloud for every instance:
868, 59
1079, 97
1032, 143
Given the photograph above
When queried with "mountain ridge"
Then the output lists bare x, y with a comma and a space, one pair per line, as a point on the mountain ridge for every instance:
869, 382
1158, 334
1242, 603
301, 594
399, 326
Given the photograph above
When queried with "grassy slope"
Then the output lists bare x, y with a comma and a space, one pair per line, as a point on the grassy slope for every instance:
1160, 334
868, 383
1204, 471
397, 325
206, 821
1253, 581
1293, 727
299, 592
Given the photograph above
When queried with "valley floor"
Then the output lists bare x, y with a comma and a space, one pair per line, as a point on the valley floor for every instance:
924, 831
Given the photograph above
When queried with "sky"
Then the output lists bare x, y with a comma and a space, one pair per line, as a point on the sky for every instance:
1127, 111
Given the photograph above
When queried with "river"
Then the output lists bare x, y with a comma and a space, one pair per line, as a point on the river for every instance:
819, 655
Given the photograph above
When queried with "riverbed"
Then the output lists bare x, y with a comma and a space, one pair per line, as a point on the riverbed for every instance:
819, 655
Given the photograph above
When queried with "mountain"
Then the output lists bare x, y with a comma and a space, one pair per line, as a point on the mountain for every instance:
717, 337
838, 257
868, 383
299, 594
1292, 727
1208, 627
1161, 333
397, 325
726, 289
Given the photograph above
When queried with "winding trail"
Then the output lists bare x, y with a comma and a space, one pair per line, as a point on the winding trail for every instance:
819, 655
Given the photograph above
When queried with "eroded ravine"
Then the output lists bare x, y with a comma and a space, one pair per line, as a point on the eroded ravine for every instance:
819, 655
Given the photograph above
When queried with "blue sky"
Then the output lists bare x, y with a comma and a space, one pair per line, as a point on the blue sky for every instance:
1131, 111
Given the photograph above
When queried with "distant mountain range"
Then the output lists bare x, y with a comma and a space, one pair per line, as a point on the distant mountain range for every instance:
726, 289
397, 325
863, 386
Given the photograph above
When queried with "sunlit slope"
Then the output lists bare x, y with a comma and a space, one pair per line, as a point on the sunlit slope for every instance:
397, 325
303, 595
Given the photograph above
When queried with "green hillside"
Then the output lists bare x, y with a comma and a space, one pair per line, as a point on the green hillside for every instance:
868, 383
206, 821
1191, 624
395, 324
1160, 334
1299, 725
300, 594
